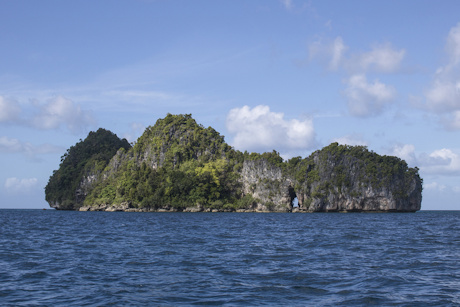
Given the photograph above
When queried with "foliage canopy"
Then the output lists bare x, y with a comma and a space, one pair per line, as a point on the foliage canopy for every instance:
178, 163
86, 157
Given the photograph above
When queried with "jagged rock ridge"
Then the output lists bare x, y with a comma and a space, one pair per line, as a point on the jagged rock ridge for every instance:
178, 165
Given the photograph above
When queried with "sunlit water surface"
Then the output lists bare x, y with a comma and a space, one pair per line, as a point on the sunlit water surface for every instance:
57, 258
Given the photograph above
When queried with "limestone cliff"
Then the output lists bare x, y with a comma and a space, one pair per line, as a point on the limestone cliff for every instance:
178, 165
343, 178
266, 183
337, 178
81, 168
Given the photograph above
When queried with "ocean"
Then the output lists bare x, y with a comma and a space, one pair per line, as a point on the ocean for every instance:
67, 258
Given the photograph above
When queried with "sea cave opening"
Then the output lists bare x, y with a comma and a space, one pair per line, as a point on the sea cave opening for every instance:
293, 197
295, 203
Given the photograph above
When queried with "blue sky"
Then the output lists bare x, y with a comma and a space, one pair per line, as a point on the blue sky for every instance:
289, 75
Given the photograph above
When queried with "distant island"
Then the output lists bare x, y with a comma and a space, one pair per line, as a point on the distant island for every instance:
178, 165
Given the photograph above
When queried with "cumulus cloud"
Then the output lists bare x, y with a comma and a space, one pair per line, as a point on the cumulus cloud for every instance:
260, 129
364, 98
12, 145
405, 152
332, 52
57, 112
61, 111
9, 110
441, 162
382, 58
338, 49
16, 185
351, 139
443, 95
367, 99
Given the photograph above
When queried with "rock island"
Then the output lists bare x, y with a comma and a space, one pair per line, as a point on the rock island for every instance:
178, 165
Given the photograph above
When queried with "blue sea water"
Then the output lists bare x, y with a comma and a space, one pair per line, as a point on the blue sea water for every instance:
58, 258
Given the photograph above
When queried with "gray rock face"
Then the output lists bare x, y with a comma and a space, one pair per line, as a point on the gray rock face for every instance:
331, 181
178, 165
84, 188
324, 182
266, 183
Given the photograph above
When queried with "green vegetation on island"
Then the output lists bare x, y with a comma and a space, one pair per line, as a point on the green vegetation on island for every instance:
175, 164
86, 157
179, 165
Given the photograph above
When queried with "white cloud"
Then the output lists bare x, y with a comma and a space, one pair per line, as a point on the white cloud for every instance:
9, 110
405, 152
453, 45
338, 49
61, 111
287, 4
434, 186
382, 58
11, 145
16, 185
441, 162
351, 139
443, 95
260, 129
332, 52
367, 99
364, 98
57, 112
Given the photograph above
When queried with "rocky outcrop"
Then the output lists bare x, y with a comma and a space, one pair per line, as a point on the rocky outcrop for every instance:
266, 183
81, 168
337, 179
178, 165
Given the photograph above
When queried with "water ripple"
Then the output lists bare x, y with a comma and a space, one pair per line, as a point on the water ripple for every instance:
130, 259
